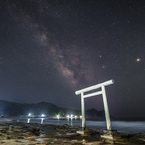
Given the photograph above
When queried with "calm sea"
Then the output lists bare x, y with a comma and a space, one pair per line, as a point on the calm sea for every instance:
120, 126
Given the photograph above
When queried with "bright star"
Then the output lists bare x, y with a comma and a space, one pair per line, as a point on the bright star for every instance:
138, 59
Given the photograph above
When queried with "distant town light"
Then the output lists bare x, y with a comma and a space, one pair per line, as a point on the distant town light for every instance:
67, 116
75, 117
58, 116
42, 115
80, 117
29, 114
71, 116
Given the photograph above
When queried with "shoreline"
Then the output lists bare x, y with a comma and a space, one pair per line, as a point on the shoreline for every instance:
32, 133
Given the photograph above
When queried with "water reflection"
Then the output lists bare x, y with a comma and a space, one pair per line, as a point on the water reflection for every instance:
28, 121
58, 122
42, 120
70, 122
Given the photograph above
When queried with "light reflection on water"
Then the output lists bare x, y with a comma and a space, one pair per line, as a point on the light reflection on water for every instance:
42, 120
46, 121
120, 126
28, 120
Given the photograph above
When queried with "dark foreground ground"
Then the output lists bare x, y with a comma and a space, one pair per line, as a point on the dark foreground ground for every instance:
34, 134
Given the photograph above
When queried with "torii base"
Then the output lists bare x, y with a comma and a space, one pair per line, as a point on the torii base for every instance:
81, 132
107, 136
84, 131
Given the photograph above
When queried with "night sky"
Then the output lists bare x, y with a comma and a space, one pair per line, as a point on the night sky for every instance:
51, 48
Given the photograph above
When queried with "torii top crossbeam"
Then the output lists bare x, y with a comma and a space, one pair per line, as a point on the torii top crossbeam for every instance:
95, 87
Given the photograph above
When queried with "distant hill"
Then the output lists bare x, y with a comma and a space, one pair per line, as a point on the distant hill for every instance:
49, 109
94, 113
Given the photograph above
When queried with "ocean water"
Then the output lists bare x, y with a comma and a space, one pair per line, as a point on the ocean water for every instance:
128, 127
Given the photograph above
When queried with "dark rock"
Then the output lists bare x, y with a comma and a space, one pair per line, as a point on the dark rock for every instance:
135, 140
114, 133
12, 126
20, 137
96, 130
122, 135
25, 127
3, 131
130, 135
36, 131
66, 125
3, 127
8, 137
119, 139
17, 141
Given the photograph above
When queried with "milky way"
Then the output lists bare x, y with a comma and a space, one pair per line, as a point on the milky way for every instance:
71, 61
50, 49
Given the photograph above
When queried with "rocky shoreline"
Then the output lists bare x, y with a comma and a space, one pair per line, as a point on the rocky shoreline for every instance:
18, 133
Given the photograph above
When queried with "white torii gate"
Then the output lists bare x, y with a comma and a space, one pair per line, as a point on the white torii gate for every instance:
102, 86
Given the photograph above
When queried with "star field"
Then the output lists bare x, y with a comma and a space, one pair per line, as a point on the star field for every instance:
49, 49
